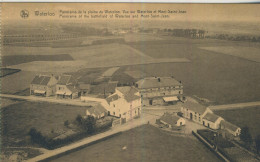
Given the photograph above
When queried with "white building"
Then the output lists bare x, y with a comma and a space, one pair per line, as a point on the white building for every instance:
194, 111
230, 128
125, 103
97, 111
172, 120
212, 121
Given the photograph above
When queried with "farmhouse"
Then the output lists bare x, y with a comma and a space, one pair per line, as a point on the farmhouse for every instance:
159, 90
230, 128
125, 103
212, 121
172, 120
67, 87
43, 85
97, 111
194, 111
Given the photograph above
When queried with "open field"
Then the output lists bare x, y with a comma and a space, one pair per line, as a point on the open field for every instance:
249, 53
8, 71
243, 117
18, 59
145, 143
94, 56
219, 78
18, 81
18, 119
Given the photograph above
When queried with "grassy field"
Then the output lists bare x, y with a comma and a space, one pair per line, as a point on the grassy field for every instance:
18, 59
243, 117
18, 119
248, 53
8, 71
145, 143
214, 76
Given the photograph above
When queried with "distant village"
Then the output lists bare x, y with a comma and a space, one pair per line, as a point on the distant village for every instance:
126, 102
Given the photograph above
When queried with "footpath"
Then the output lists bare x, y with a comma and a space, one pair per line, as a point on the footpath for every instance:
76, 102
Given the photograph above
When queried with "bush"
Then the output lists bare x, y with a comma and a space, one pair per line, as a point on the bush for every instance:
245, 136
66, 123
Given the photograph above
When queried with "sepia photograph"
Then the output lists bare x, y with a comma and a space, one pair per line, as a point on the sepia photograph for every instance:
139, 82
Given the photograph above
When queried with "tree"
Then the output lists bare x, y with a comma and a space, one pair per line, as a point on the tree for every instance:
89, 124
245, 136
79, 120
257, 143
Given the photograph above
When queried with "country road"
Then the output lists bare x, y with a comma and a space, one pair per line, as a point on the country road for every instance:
234, 106
76, 102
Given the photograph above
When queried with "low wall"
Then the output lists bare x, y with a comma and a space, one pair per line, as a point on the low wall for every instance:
210, 147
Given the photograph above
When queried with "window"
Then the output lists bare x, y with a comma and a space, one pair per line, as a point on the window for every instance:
114, 105
208, 125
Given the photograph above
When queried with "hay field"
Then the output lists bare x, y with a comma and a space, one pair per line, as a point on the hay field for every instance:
96, 57
248, 53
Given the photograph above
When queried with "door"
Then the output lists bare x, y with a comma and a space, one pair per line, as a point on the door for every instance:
191, 116
151, 102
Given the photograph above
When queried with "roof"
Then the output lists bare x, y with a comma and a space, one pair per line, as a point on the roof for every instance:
97, 110
211, 117
72, 88
169, 99
129, 93
41, 79
156, 82
66, 80
84, 86
170, 118
193, 106
104, 87
229, 126
112, 98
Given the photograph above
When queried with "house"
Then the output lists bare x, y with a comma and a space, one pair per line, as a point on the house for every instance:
43, 85
97, 111
67, 87
212, 120
194, 111
125, 103
172, 120
230, 128
84, 88
159, 90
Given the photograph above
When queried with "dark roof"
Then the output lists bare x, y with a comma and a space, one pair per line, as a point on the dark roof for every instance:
107, 87
97, 110
211, 117
72, 88
112, 98
169, 118
129, 93
193, 106
41, 79
156, 82
228, 126
66, 80
84, 86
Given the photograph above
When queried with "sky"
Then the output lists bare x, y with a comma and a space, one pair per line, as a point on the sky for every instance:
194, 12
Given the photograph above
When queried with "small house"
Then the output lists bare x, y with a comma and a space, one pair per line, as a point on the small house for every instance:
230, 128
194, 111
67, 87
172, 120
43, 85
212, 120
97, 111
